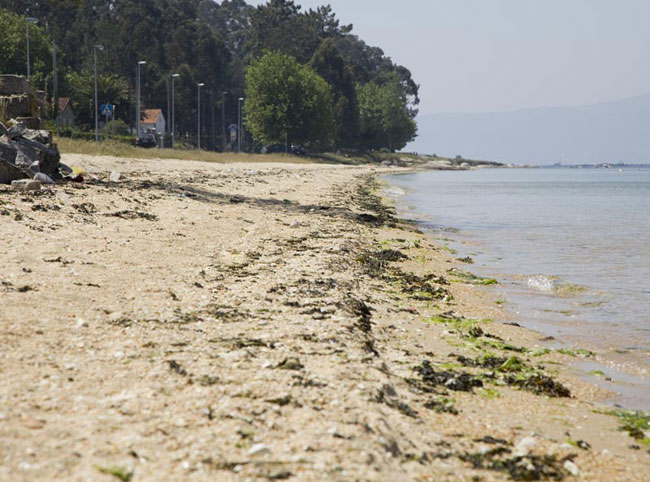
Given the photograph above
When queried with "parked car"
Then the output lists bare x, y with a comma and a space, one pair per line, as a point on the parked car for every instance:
298, 150
146, 140
281, 149
275, 149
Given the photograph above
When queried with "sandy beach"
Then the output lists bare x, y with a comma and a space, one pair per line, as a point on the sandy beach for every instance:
259, 321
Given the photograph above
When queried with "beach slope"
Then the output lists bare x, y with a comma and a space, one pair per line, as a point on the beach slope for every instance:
201, 321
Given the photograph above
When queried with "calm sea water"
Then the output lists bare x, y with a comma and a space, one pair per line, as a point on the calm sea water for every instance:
570, 247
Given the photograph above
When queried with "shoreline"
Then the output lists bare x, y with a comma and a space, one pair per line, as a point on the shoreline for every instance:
268, 321
625, 380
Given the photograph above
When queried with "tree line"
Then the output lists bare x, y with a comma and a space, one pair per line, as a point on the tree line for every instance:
345, 93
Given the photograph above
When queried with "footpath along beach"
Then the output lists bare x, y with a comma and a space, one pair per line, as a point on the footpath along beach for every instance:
202, 321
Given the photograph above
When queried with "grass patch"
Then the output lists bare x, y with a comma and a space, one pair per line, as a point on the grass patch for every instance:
121, 149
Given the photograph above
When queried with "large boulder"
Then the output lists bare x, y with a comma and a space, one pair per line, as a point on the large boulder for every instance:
25, 149
8, 169
25, 152
8, 152
33, 123
14, 106
14, 84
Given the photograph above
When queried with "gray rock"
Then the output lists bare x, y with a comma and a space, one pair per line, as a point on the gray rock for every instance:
26, 185
3, 129
41, 135
43, 178
65, 169
10, 172
35, 168
33, 151
33, 123
7, 151
26, 155
17, 106
16, 131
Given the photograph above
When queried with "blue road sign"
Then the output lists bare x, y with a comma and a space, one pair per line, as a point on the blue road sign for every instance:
107, 109
233, 132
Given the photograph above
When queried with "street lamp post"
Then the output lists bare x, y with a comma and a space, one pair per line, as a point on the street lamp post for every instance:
137, 101
95, 49
173, 116
239, 133
199, 85
223, 119
34, 21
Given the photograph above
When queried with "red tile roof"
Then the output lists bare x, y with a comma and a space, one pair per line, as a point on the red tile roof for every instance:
63, 103
150, 116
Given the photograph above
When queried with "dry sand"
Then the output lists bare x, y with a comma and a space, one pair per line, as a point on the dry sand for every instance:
197, 321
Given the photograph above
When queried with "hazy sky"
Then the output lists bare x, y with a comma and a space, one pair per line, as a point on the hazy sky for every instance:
495, 55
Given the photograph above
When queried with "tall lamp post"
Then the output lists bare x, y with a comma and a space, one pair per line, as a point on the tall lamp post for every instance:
239, 129
29, 20
223, 119
199, 85
173, 116
137, 101
95, 49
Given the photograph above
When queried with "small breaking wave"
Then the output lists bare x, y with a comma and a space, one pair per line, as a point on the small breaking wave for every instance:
550, 285
541, 283
394, 192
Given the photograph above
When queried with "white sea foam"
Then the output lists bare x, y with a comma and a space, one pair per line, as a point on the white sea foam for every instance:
541, 283
394, 192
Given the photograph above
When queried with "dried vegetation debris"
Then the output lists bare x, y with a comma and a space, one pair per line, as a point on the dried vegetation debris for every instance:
519, 467
294, 367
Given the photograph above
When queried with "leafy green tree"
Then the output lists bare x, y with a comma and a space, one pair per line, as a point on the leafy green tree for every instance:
384, 117
287, 102
330, 65
371, 64
110, 89
327, 23
13, 50
204, 41
268, 25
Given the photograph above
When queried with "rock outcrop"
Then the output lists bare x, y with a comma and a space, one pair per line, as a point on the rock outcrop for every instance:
26, 149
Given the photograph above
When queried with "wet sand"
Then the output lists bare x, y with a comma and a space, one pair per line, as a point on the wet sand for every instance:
197, 321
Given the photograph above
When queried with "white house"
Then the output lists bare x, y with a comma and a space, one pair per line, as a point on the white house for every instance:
65, 117
153, 119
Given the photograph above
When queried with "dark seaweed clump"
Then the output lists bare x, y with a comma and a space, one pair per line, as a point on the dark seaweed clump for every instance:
450, 379
516, 372
539, 384
441, 405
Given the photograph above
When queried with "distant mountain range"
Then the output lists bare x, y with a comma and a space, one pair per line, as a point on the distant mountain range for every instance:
608, 132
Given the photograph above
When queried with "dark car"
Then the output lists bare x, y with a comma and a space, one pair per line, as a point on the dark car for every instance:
298, 150
275, 149
146, 140
282, 149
